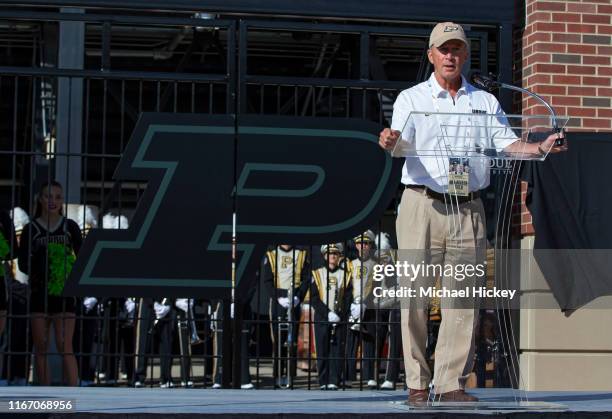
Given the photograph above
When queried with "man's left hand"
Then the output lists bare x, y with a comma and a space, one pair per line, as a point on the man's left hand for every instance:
548, 145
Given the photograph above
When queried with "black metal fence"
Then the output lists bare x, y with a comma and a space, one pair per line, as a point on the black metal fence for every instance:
73, 85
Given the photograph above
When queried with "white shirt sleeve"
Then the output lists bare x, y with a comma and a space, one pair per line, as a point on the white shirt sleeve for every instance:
401, 117
403, 122
501, 133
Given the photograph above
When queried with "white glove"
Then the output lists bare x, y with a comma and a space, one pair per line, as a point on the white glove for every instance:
182, 304
356, 311
129, 305
161, 310
283, 301
332, 317
89, 303
296, 301
213, 321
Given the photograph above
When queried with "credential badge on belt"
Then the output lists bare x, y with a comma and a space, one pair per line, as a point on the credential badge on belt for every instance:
458, 176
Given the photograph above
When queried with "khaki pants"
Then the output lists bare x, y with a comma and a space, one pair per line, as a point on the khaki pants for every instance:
431, 232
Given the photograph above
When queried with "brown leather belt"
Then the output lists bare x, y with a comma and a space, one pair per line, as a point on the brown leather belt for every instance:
444, 197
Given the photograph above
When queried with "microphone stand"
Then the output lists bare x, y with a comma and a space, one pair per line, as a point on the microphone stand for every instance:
488, 84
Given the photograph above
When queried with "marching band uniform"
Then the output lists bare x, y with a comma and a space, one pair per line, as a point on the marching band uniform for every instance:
217, 326
84, 338
184, 323
86, 326
389, 314
117, 331
286, 280
331, 295
394, 347
363, 268
150, 310
119, 319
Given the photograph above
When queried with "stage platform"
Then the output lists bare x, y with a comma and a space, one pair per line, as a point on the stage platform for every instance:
148, 403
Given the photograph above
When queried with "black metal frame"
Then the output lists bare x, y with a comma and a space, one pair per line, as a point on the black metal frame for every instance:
389, 10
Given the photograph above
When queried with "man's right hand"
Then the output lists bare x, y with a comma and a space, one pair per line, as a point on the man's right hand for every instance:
388, 139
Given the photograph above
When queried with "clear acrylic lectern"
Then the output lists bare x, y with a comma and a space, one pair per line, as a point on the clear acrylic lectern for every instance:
475, 135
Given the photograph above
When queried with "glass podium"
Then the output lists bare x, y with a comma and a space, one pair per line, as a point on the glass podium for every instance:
467, 143
475, 135
481, 406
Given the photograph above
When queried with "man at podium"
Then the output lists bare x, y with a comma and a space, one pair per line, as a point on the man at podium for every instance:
441, 208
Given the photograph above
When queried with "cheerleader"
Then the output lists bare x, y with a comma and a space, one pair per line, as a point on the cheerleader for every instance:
47, 251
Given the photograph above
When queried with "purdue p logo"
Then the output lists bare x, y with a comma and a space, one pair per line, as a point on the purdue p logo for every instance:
280, 173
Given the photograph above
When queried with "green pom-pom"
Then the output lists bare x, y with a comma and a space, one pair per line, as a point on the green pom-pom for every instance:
61, 260
4, 251
4, 246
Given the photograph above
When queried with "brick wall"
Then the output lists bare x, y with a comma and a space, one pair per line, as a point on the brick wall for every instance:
567, 59
567, 53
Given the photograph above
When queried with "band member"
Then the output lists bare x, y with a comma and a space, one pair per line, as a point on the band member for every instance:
88, 315
87, 309
362, 321
117, 333
187, 336
331, 293
118, 315
46, 253
127, 337
286, 277
388, 311
155, 318
394, 345
217, 328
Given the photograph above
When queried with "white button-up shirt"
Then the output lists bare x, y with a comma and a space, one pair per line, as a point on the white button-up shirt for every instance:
424, 132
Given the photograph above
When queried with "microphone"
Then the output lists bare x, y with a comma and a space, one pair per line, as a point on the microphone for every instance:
483, 82
488, 84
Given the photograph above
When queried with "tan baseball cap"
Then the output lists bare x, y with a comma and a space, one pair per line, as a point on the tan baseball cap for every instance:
446, 31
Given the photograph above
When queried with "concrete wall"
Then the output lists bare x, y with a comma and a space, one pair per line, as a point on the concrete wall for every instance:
559, 352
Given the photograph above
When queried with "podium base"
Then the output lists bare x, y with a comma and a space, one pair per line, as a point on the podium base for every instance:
482, 406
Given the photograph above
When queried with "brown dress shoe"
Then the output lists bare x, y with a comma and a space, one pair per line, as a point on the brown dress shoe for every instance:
456, 396
417, 397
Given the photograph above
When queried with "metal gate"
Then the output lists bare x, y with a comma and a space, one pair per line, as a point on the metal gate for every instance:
73, 85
